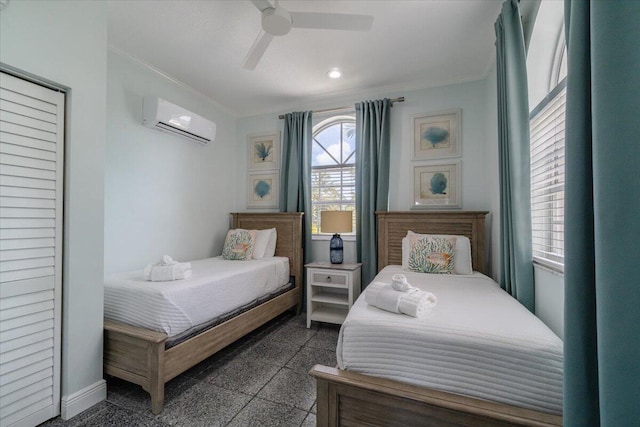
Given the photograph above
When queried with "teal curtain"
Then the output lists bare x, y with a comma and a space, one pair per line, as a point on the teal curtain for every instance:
295, 176
602, 211
516, 261
373, 142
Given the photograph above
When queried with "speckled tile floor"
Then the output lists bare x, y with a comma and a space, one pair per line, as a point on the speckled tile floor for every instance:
261, 380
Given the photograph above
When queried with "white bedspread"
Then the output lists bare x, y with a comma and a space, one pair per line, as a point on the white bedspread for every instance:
216, 287
477, 341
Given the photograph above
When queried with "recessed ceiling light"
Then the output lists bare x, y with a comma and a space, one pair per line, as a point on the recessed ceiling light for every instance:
334, 73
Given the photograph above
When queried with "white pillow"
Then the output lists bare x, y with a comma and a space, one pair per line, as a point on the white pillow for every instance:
462, 252
270, 250
262, 243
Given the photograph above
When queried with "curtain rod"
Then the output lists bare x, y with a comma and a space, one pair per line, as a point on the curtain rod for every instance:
331, 110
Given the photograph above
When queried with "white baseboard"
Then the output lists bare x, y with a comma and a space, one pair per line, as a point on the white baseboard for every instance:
81, 400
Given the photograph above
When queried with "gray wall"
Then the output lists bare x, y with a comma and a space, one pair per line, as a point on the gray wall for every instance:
550, 298
65, 42
163, 194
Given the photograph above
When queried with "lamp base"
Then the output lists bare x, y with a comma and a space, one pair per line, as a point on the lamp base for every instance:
336, 252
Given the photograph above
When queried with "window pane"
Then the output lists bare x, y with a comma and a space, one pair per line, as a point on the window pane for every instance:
319, 156
329, 156
329, 135
349, 143
562, 73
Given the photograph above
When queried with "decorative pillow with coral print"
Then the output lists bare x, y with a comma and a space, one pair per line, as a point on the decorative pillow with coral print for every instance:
239, 245
461, 251
432, 255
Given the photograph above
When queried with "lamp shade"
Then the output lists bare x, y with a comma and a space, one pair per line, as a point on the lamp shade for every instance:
336, 221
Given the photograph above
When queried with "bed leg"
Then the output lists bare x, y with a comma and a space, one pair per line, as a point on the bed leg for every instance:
298, 308
157, 399
322, 410
322, 396
156, 376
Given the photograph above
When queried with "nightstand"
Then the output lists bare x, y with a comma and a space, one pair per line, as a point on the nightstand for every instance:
331, 291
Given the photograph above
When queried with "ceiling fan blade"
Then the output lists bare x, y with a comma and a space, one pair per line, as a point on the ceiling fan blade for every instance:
257, 50
261, 4
331, 21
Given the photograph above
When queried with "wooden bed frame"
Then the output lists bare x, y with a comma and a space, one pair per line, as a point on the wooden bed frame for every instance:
349, 398
139, 356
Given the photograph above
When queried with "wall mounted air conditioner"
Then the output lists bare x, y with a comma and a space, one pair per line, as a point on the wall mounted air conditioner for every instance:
167, 117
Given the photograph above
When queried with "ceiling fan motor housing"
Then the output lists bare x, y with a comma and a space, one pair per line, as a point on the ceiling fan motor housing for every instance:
276, 21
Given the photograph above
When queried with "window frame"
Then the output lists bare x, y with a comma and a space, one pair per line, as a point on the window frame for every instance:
317, 129
557, 90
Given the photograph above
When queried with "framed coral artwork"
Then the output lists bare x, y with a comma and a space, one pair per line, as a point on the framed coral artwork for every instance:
263, 189
436, 135
437, 186
264, 151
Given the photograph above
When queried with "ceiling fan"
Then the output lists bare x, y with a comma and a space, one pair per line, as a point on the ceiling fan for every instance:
277, 21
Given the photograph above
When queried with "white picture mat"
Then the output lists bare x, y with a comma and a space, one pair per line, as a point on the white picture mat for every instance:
426, 195
263, 151
270, 200
449, 120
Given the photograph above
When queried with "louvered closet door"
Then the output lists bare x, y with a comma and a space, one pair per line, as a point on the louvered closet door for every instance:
31, 165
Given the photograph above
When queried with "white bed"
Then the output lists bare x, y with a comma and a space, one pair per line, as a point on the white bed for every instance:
215, 288
150, 358
477, 341
348, 397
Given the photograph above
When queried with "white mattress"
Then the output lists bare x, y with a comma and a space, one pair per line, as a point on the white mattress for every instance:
477, 341
216, 287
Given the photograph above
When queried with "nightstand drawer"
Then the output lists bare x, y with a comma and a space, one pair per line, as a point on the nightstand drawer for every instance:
329, 278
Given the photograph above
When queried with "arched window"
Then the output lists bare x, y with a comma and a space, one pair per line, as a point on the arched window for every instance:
547, 129
333, 168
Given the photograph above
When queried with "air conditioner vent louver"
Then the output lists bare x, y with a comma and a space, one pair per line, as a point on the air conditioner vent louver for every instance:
168, 128
167, 117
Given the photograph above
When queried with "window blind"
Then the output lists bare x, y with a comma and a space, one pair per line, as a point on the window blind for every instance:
547, 129
333, 188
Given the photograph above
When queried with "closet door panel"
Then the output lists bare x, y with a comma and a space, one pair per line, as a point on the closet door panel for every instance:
23, 141
31, 183
26, 243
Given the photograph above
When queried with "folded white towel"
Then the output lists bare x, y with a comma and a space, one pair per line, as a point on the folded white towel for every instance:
417, 304
167, 260
167, 269
382, 296
412, 302
400, 283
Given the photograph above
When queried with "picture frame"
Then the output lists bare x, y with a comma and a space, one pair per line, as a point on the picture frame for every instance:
263, 189
437, 185
437, 135
263, 151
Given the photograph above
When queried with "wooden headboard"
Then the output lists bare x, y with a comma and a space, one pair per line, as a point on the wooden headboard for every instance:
393, 226
288, 225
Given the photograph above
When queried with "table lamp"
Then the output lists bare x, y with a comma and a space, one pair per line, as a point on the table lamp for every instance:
336, 222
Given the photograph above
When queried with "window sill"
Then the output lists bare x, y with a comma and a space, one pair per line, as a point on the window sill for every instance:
327, 237
550, 266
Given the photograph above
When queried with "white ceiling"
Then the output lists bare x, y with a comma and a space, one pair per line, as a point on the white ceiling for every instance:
413, 44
